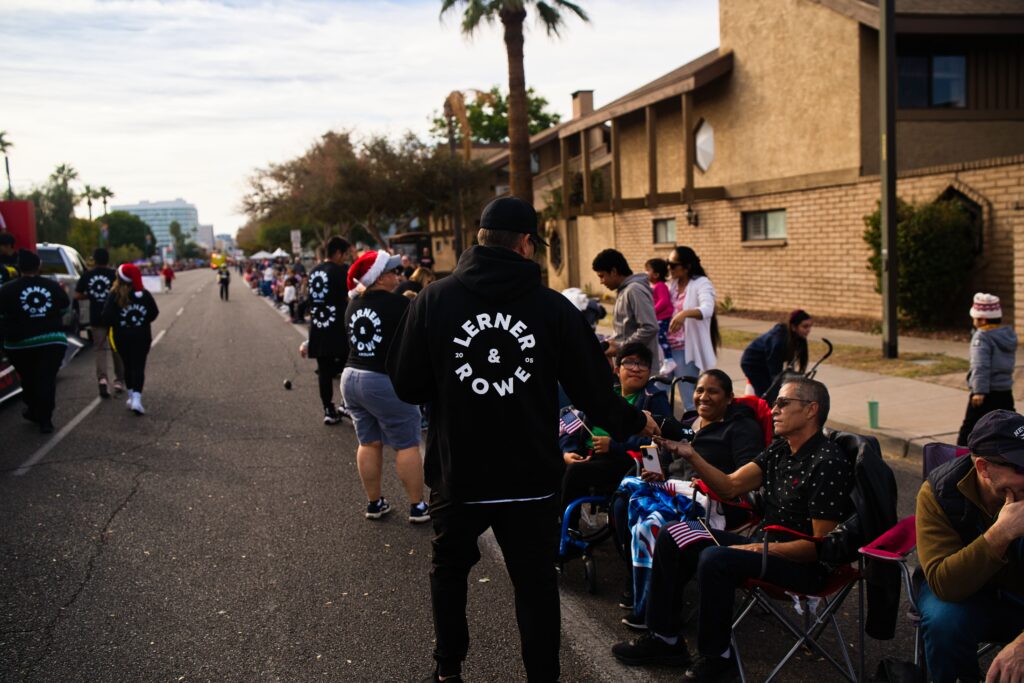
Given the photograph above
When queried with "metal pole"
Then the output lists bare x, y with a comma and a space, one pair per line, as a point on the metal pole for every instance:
887, 129
457, 241
7, 167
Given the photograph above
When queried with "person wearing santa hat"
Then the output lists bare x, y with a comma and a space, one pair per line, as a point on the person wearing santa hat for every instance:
129, 310
32, 309
993, 357
381, 418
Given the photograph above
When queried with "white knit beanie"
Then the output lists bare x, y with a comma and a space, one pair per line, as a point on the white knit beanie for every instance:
986, 306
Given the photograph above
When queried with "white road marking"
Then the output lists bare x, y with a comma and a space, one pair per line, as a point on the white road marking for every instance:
159, 336
180, 311
56, 439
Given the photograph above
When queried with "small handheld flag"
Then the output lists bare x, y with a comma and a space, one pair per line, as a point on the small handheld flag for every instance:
685, 533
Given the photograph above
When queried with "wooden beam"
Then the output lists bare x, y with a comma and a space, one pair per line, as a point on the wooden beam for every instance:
689, 147
650, 119
563, 149
616, 165
588, 200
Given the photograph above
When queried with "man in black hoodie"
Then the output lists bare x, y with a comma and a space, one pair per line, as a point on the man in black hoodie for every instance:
487, 348
328, 297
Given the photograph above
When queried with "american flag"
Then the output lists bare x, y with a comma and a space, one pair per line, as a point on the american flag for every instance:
569, 423
685, 533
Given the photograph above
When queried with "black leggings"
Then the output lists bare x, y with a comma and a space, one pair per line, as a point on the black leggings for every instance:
224, 291
327, 369
133, 352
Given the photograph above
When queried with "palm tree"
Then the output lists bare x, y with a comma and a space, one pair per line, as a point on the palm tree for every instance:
105, 193
88, 194
64, 174
5, 145
512, 13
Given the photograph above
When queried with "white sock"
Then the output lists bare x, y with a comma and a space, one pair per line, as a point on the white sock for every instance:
671, 640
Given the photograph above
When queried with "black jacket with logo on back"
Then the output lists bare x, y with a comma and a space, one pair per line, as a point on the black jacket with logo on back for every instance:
487, 348
31, 312
328, 298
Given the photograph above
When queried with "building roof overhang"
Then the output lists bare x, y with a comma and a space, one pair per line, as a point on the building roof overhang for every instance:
950, 17
687, 78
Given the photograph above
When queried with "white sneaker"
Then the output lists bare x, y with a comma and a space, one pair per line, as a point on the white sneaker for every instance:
136, 403
668, 368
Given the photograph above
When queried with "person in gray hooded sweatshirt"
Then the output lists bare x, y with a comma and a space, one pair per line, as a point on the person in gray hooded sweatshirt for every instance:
634, 320
993, 356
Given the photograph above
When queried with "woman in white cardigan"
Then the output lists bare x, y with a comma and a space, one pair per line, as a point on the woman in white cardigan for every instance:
693, 329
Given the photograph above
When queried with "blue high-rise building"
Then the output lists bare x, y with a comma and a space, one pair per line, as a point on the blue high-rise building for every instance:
160, 215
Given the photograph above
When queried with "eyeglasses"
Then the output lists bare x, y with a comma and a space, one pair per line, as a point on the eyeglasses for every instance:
1019, 469
635, 365
781, 402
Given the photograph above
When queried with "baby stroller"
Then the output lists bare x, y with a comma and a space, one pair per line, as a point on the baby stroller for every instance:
789, 373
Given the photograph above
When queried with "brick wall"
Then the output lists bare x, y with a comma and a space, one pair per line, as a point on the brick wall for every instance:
822, 266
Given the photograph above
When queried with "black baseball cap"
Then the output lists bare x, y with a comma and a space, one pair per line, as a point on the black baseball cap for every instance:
999, 433
513, 215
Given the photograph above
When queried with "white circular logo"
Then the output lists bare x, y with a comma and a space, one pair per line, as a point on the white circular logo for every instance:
318, 288
364, 332
133, 315
99, 285
324, 316
492, 353
36, 301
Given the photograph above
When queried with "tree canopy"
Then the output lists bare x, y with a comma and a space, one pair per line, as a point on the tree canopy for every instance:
488, 117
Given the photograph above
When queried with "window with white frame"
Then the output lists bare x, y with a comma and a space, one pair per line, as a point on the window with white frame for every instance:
764, 225
664, 230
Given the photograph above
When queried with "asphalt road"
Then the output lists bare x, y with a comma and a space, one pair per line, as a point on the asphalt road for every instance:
221, 536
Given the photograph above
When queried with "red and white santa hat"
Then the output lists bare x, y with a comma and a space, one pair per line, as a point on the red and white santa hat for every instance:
131, 274
986, 306
368, 268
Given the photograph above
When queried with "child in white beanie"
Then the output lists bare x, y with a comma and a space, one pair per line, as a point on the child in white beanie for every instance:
993, 356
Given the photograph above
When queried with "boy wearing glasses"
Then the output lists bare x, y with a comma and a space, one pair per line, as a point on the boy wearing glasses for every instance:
970, 542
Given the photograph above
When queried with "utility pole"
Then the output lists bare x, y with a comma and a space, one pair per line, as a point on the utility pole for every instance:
457, 240
887, 130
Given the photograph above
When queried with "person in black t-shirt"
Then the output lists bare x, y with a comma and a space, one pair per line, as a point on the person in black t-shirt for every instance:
95, 285
327, 301
129, 310
380, 417
807, 482
224, 280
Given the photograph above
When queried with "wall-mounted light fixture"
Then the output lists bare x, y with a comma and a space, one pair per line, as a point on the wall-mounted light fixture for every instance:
692, 217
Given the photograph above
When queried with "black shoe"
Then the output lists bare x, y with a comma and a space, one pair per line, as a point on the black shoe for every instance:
46, 427
650, 649
331, 416
27, 414
433, 678
710, 668
104, 393
635, 621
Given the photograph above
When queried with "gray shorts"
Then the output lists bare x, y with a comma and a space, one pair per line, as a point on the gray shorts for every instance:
377, 412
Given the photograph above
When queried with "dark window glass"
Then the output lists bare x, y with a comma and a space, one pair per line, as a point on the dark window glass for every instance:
949, 81
764, 225
912, 85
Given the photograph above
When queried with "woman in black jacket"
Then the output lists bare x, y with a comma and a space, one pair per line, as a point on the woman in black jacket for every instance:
783, 346
129, 310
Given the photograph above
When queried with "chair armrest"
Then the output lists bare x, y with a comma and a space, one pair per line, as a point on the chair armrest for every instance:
703, 487
895, 544
794, 533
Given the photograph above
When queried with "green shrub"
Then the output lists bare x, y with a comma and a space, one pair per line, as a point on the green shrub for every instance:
935, 246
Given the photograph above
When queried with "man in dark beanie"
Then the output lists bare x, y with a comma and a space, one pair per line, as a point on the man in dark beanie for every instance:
95, 285
487, 348
32, 308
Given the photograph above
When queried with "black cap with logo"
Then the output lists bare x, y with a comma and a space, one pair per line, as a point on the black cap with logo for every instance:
511, 214
999, 433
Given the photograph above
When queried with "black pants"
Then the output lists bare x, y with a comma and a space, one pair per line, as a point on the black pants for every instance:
719, 571
528, 535
224, 291
327, 369
134, 351
37, 367
994, 400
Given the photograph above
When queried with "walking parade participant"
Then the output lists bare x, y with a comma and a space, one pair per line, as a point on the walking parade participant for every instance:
993, 357
95, 285
168, 274
380, 417
487, 347
224, 280
32, 309
129, 310
328, 299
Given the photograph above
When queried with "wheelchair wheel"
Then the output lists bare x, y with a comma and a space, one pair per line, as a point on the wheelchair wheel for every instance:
590, 574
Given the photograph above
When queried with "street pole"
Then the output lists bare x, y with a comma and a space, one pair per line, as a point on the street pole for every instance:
457, 213
7, 167
887, 129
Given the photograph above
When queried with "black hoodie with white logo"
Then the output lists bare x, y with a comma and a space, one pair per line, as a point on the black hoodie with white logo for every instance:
487, 348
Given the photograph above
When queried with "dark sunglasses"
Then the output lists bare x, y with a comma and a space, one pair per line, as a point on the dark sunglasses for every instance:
1019, 469
674, 264
781, 402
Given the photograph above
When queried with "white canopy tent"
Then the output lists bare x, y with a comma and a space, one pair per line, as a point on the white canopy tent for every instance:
280, 253
260, 255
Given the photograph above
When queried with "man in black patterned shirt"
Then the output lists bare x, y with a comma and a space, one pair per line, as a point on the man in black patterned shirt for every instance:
807, 483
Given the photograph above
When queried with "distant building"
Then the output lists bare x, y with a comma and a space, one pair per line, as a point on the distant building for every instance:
224, 243
204, 236
160, 215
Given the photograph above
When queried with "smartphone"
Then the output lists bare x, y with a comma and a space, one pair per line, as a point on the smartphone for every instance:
652, 463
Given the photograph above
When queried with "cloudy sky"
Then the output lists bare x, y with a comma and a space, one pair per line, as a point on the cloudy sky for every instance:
159, 99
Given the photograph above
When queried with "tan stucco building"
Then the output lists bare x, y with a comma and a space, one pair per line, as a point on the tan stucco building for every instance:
763, 154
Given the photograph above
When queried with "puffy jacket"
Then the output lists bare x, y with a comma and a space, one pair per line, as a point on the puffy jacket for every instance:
993, 354
487, 347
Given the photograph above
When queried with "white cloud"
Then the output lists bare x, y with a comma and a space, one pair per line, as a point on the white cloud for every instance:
183, 98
